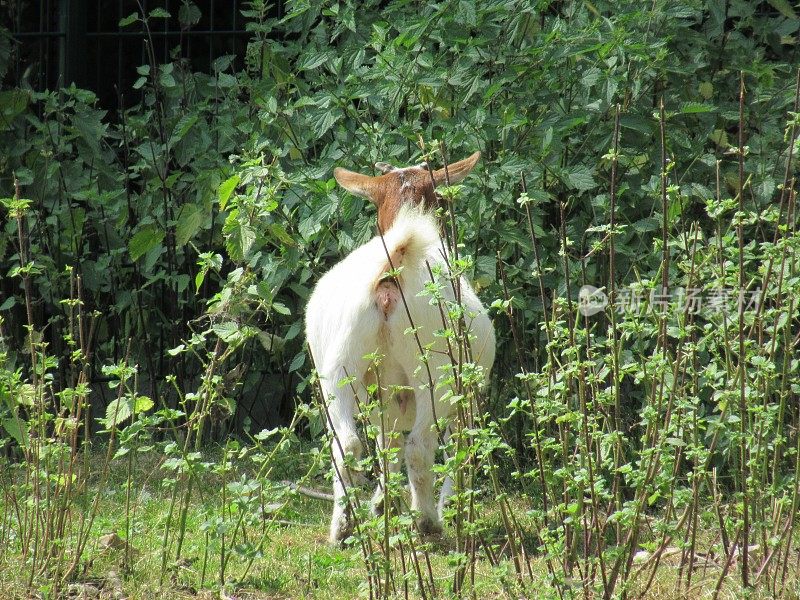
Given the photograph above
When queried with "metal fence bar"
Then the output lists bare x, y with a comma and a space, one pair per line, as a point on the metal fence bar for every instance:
44, 57
73, 52
59, 42
160, 34
211, 38
37, 34
119, 51
234, 9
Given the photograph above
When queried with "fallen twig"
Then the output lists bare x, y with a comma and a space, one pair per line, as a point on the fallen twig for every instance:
311, 493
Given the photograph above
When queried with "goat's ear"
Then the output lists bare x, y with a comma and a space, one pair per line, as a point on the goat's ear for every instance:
358, 184
456, 171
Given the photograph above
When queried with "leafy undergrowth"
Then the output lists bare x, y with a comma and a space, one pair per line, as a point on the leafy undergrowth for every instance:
296, 560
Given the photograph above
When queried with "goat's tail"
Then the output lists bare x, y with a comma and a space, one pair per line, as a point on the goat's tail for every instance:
404, 250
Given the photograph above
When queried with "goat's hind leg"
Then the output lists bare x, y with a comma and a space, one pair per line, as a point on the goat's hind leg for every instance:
447, 484
392, 444
340, 407
423, 440
420, 451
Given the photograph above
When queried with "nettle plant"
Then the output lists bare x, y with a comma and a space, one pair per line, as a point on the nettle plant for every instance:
662, 418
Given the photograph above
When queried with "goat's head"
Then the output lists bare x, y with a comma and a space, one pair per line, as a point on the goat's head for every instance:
396, 186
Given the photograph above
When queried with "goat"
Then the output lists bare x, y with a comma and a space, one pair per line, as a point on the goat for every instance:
362, 306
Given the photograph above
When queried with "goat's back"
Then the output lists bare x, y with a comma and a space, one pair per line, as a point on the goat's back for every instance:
357, 309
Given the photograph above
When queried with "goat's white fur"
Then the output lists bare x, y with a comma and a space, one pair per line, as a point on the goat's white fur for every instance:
344, 322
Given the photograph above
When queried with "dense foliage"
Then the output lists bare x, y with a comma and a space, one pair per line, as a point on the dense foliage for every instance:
133, 200
184, 234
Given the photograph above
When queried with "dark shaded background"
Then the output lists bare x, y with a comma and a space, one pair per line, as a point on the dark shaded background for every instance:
80, 41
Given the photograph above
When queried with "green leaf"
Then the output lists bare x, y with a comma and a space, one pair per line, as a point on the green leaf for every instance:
12, 104
283, 236
167, 80
226, 189
131, 18
122, 409
91, 128
580, 178
182, 127
226, 80
247, 237
228, 331
159, 13
223, 62
312, 61
783, 7
720, 138
189, 14
239, 237
281, 308
189, 222
297, 362
143, 404
647, 224
144, 240
323, 121
294, 330
17, 428
26, 395
177, 350
485, 270
117, 412
688, 108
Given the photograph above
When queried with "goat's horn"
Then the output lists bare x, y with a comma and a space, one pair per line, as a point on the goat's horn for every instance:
361, 185
456, 171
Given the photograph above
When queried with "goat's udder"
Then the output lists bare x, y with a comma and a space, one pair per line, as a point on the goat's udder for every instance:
387, 295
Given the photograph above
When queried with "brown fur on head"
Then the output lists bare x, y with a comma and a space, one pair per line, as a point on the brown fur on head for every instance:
398, 186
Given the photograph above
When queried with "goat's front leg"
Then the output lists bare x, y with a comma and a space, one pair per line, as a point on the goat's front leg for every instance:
420, 451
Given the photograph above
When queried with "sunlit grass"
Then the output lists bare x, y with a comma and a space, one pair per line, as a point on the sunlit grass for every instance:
296, 560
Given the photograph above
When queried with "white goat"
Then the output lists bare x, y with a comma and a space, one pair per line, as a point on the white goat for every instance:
356, 309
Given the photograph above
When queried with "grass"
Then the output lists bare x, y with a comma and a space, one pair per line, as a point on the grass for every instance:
296, 560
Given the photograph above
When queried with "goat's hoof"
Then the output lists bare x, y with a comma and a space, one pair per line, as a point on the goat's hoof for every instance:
357, 479
380, 505
429, 526
341, 529
338, 536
